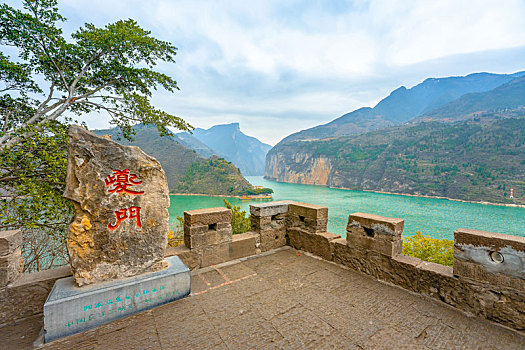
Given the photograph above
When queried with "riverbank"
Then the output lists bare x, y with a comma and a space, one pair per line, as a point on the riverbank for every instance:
205, 195
437, 197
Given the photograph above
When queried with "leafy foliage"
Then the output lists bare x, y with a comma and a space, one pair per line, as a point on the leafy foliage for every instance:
109, 69
424, 247
240, 222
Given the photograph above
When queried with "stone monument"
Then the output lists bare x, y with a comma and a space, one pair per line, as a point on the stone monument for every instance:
117, 239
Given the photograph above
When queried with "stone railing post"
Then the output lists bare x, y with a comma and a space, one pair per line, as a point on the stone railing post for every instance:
269, 221
307, 229
309, 217
209, 233
11, 262
377, 233
489, 257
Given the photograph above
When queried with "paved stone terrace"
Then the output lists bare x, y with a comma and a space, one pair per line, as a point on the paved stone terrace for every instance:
289, 300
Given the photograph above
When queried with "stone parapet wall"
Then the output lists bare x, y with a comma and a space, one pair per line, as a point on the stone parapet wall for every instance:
270, 221
209, 238
487, 279
11, 262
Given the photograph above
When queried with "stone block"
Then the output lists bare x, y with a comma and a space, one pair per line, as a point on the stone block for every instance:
216, 254
269, 209
190, 258
477, 272
306, 210
372, 225
352, 257
214, 237
10, 241
207, 216
11, 266
437, 281
260, 222
195, 241
378, 244
243, 245
272, 238
70, 309
315, 243
405, 272
26, 296
490, 257
121, 198
195, 229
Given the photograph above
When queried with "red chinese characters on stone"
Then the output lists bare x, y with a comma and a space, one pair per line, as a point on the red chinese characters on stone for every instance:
121, 180
123, 214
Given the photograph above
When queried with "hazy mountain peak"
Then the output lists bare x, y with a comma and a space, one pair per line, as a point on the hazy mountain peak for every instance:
228, 141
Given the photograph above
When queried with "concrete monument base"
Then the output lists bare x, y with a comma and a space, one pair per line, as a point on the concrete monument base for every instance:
70, 309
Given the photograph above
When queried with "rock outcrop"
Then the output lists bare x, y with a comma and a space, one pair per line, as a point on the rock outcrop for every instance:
121, 201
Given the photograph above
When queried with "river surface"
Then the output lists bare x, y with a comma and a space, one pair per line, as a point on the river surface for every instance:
435, 217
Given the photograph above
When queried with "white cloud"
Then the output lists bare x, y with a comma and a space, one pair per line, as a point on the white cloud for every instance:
303, 63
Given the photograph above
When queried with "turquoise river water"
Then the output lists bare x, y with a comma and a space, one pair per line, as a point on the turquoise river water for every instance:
436, 217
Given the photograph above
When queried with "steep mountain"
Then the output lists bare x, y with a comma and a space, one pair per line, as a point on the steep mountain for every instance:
246, 152
475, 160
185, 170
193, 143
404, 104
502, 100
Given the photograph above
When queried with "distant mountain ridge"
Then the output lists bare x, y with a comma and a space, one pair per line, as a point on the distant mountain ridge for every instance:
228, 141
470, 148
405, 104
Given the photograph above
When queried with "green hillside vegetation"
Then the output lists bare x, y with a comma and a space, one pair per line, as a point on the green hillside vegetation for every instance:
475, 160
185, 170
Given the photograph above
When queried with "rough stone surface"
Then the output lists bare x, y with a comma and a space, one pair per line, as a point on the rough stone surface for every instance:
207, 216
190, 258
26, 297
317, 243
11, 262
375, 225
121, 204
496, 302
308, 210
271, 230
280, 301
243, 245
269, 209
377, 243
10, 241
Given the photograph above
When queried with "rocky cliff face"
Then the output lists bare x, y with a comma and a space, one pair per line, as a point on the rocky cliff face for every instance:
302, 168
476, 160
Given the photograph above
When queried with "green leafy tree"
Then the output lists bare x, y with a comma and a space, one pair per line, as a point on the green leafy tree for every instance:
240, 221
424, 247
52, 79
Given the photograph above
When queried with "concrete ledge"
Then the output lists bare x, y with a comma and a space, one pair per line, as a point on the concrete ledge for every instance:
490, 257
70, 309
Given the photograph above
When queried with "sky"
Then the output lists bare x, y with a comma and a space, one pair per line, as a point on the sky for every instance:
278, 67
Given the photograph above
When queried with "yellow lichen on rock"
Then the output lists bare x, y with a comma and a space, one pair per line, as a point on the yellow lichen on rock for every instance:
83, 240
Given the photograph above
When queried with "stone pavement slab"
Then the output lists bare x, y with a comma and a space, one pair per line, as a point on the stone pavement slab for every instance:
289, 300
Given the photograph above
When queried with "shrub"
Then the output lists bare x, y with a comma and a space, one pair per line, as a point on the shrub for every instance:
240, 222
424, 247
